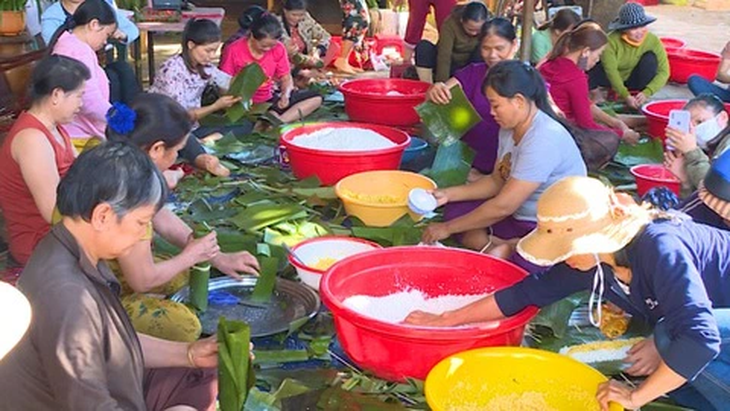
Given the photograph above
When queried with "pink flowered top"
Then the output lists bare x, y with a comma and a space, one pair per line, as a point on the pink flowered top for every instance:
184, 86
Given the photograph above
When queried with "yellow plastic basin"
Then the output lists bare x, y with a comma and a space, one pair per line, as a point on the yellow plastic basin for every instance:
379, 198
510, 377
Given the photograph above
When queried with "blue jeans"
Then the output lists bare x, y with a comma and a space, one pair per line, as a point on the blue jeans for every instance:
699, 85
710, 391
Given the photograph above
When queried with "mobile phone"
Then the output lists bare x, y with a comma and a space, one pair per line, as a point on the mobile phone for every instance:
680, 120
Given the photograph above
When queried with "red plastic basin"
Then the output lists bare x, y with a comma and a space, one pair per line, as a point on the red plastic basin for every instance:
657, 115
367, 100
649, 176
673, 42
395, 351
685, 62
331, 166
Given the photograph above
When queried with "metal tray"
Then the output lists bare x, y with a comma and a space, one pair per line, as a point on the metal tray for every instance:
290, 302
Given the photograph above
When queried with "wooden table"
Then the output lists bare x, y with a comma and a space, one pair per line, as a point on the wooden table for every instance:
150, 28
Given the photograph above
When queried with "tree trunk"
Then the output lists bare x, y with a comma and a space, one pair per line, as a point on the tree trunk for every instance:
604, 11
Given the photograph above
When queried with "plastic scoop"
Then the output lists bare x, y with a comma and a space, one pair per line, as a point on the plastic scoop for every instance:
421, 201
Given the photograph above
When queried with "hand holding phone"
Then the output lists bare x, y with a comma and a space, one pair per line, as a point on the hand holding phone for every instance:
679, 120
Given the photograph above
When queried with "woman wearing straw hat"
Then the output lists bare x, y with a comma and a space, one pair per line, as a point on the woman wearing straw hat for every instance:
635, 59
662, 268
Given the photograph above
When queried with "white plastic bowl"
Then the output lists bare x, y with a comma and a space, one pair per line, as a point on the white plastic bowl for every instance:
312, 250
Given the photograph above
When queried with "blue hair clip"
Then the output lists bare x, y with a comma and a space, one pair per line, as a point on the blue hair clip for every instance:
120, 118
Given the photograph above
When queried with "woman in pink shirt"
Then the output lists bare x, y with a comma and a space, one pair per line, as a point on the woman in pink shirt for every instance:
262, 46
80, 38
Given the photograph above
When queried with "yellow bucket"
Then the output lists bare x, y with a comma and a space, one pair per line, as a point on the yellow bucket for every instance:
513, 378
379, 198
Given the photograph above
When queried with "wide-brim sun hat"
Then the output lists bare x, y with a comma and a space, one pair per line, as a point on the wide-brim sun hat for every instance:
581, 215
631, 15
714, 190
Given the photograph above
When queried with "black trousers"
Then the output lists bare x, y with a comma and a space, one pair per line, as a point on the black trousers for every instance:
427, 53
640, 77
123, 84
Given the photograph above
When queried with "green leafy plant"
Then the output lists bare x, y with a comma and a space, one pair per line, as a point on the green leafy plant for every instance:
13, 5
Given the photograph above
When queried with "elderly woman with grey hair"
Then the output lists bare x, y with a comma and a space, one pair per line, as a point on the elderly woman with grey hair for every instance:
81, 351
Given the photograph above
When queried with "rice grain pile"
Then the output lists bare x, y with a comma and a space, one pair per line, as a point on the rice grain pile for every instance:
324, 263
600, 351
376, 198
394, 308
343, 139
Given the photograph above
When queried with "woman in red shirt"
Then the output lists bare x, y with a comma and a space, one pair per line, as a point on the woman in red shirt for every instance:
262, 46
576, 52
37, 152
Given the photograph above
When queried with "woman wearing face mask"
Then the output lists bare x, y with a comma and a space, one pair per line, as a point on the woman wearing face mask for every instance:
535, 150
185, 76
306, 40
576, 52
93, 22
692, 152
262, 46
458, 41
663, 269
710, 204
635, 59
545, 37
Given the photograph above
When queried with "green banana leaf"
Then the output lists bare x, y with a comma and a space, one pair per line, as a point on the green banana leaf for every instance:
263, 215
451, 165
280, 356
267, 279
244, 85
556, 316
647, 151
199, 278
449, 122
235, 368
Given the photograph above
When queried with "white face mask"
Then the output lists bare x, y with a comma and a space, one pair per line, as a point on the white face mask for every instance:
706, 131
596, 298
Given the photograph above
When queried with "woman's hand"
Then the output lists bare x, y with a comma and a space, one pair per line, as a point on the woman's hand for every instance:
234, 263
202, 249
425, 319
284, 100
172, 177
436, 232
211, 164
439, 93
636, 101
225, 101
644, 357
441, 197
684, 142
674, 162
630, 136
617, 392
203, 353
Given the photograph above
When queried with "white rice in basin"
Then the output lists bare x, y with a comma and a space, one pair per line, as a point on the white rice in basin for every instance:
600, 351
394, 308
343, 139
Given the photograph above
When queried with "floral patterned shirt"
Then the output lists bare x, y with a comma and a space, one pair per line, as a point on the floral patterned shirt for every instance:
184, 86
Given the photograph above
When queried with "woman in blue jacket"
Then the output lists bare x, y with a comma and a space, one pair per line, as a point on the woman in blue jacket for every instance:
661, 268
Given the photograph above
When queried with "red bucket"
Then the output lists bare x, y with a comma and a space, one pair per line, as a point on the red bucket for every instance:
331, 166
672, 42
649, 176
685, 62
395, 351
390, 102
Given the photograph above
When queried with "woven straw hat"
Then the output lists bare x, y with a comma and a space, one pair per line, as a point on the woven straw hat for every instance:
580, 215
631, 15
715, 189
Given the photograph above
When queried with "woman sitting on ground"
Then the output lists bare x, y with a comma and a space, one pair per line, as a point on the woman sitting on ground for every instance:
535, 150
661, 268
548, 33
699, 85
305, 39
635, 59
710, 204
457, 46
159, 126
263, 47
576, 52
709, 137
355, 23
185, 76
81, 351
37, 152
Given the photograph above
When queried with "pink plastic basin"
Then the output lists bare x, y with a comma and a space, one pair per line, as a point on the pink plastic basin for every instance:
396, 351
384, 101
649, 176
685, 62
331, 166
